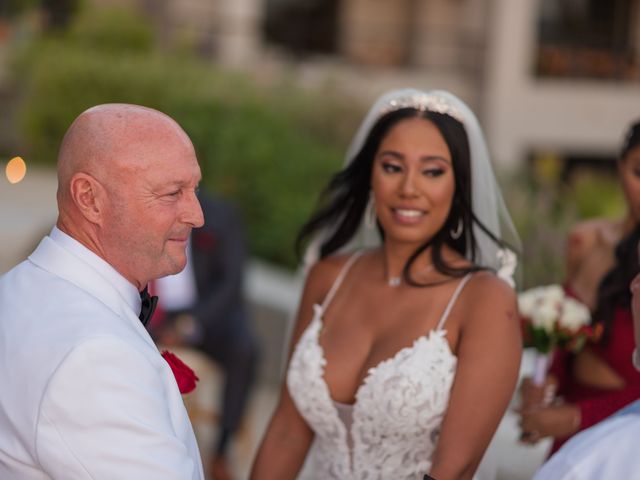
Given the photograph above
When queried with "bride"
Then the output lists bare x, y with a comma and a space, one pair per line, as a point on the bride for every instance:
407, 347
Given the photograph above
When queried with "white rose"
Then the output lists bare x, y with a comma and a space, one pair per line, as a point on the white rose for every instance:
553, 293
545, 316
527, 302
574, 315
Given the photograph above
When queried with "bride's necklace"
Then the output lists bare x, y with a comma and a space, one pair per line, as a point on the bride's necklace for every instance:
397, 281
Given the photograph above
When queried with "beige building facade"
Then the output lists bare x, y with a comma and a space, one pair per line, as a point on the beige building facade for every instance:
544, 76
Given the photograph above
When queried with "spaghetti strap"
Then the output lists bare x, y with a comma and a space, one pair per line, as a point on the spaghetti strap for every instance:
338, 281
452, 301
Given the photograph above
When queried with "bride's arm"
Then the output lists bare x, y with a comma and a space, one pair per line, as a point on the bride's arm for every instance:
285, 445
288, 437
489, 350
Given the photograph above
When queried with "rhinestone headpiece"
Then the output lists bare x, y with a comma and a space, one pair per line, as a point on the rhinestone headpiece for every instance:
422, 102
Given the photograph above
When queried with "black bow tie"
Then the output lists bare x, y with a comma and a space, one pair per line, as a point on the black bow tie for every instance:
148, 306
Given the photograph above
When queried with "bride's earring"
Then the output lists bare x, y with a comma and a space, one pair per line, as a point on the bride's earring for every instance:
457, 233
370, 213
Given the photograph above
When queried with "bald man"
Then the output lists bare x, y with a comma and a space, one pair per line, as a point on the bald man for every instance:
84, 392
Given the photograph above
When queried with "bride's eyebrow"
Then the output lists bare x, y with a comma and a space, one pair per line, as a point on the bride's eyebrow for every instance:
391, 153
423, 159
432, 158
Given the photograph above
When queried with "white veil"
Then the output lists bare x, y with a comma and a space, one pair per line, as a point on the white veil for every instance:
487, 203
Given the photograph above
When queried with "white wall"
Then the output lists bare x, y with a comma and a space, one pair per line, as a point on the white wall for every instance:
522, 112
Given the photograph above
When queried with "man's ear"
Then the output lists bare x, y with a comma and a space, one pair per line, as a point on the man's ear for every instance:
88, 195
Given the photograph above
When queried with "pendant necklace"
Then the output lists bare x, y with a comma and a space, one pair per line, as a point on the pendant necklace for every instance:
397, 281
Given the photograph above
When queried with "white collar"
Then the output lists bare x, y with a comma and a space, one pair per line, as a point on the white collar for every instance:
126, 289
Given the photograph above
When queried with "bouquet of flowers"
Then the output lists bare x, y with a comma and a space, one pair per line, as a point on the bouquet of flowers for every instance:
551, 319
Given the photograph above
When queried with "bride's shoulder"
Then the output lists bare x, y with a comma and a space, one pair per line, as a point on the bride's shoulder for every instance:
487, 288
324, 272
331, 265
487, 298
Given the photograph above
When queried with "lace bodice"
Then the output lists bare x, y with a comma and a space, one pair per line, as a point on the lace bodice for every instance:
398, 408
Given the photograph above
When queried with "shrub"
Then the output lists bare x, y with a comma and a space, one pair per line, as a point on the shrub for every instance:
545, 211
255, 145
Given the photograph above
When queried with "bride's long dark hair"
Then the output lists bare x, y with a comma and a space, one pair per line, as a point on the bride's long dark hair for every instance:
344, 200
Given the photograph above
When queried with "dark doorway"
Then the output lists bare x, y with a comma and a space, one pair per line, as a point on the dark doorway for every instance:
304, 27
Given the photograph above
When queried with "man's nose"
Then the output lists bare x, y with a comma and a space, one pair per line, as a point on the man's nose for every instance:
193, 212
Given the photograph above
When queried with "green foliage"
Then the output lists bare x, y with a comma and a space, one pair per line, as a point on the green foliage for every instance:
10, 8
114, 30
542, 226
273, 170
257, 145
545, 211
596, 195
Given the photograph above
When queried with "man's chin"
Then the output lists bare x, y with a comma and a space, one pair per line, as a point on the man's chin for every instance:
175, 265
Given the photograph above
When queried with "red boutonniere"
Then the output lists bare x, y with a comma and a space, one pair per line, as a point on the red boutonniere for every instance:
185, 377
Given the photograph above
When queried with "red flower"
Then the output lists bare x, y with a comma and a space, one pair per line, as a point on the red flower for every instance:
185, 377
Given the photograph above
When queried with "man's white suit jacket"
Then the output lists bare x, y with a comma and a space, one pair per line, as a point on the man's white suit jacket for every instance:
84, 392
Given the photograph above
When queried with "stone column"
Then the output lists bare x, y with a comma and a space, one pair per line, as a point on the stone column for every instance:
239, 31
449, 36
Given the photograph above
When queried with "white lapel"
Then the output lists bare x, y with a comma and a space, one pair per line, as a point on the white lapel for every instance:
58, 261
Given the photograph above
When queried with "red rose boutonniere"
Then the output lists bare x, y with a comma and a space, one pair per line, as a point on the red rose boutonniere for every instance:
185, 377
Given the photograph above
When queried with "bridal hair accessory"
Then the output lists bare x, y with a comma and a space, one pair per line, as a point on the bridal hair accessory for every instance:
487, 203
508, 264
423, 102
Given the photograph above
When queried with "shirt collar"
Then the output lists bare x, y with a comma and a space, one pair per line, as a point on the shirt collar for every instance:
126, 289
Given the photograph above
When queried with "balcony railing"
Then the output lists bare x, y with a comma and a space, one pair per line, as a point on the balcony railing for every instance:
559, 61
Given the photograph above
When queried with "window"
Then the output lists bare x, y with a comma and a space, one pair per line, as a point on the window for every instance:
595, 39
303, 27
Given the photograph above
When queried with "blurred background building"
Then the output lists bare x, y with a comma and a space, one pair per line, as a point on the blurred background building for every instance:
542, 74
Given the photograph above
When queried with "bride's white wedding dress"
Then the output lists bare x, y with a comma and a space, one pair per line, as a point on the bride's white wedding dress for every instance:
392, 429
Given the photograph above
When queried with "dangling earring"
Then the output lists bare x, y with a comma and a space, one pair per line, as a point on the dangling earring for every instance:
457, 233
370, 213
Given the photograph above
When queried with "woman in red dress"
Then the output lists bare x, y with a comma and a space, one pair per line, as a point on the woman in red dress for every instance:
602, 260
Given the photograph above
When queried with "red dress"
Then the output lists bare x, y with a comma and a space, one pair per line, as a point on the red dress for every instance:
597, 404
